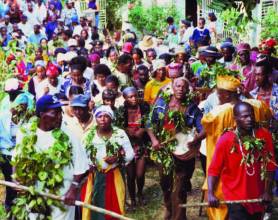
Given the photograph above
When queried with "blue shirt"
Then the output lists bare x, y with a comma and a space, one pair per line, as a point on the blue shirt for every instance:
36, 38
6, 139
199, 33
64, 91
192, 116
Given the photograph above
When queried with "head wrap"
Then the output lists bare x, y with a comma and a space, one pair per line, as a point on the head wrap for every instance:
23, 98
243, 46
157, 64
40, 63
11, 84
127, 47
94, 57
129, 90
52, 70
227, 82
104, 110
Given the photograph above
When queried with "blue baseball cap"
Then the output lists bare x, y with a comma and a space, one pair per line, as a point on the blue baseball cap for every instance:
80, 101
47, 102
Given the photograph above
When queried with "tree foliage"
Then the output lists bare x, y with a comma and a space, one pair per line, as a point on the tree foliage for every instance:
270, 25
112, 12
152, 20
247, 5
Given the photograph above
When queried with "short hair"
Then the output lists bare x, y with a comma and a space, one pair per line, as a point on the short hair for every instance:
75, 90
138, 52
166, 57
170, 19
202, 19
151, 50
143, 67
109, 50
112, 79
102, 69
68, 33
109, 94
212, 16
238, 105
266, 64
79, 63
124, 58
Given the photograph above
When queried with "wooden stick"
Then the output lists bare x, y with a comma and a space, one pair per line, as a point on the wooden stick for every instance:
76, 203
221, 203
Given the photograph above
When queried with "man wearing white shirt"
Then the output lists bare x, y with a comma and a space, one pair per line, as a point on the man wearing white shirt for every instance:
49, 112
24, 26
41, 10
32, 15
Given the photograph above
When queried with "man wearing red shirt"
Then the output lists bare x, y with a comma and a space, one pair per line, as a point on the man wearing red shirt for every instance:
239, 181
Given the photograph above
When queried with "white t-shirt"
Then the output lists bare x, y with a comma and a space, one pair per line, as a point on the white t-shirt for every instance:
52, 90
119, 137
89, 74
80, 164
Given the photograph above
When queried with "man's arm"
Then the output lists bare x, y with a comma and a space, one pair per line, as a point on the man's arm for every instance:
268, 195
212, 182
71, 194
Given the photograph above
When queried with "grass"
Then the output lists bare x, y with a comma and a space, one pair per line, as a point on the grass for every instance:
153, 195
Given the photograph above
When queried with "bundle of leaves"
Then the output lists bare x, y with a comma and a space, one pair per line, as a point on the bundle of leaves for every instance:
166, 133
209, 75
43, 169
112, 148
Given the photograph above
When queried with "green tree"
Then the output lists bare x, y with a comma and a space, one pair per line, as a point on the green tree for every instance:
270, 25
152, 20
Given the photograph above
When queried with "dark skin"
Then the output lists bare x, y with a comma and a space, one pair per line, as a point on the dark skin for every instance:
136, 169
77, 77
227, 54
151, 56
49, 120
82, 114
244, 57
104, 130
180, 87
226, 96
210, 60
160, 74
125, 67
262, 79
245, 122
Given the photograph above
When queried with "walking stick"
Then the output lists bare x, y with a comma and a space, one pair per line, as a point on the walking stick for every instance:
221, 203
76, 203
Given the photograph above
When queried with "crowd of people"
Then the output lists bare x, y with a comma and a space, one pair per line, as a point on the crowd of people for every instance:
85, 113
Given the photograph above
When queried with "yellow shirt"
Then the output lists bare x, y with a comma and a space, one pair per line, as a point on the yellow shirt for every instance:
214, 123
152, 88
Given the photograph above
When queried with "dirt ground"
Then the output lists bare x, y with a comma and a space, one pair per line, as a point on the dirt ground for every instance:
154, 207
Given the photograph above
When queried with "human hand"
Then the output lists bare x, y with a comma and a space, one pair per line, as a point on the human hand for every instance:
212, 200
111, 160
70, 196
46, 90
187, 156
267, 198
156, 145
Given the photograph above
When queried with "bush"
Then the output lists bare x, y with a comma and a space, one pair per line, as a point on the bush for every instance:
152, 20
270, 25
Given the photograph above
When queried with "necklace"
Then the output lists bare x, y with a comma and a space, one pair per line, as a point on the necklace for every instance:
252, 173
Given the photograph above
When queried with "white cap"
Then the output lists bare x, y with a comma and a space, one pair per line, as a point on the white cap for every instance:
11, 84
72, 43
69, 55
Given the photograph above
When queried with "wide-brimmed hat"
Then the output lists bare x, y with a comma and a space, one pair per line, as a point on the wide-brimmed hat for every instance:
147, 43
211, 52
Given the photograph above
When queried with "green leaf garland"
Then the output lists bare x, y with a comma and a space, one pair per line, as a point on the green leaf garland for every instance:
39, 168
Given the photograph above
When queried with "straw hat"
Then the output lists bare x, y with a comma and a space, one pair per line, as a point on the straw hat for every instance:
147, 43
